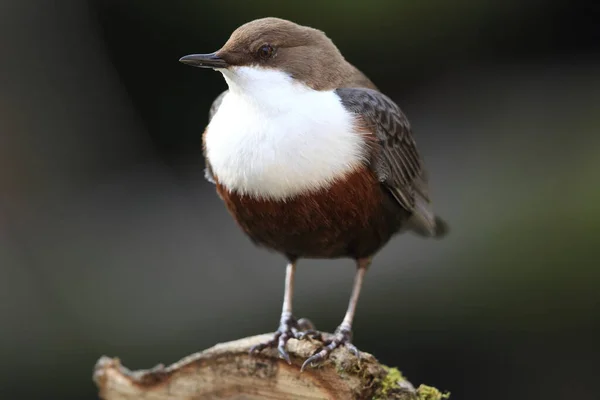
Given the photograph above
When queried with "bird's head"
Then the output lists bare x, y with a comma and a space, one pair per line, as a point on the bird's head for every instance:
264, 52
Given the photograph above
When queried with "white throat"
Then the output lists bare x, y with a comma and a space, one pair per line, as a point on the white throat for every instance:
275, 138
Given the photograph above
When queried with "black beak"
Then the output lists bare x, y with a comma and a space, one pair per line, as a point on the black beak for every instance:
204, 61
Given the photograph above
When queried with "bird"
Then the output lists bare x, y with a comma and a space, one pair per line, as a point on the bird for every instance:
311, 159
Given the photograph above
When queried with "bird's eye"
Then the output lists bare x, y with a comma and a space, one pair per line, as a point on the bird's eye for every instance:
265, 52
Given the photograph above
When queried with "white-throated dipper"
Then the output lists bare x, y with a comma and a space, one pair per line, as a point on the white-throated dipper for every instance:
310, 158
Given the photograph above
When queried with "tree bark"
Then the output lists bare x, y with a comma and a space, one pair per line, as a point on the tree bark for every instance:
227, 371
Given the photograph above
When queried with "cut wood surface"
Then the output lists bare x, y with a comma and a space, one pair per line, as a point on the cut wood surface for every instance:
228, 371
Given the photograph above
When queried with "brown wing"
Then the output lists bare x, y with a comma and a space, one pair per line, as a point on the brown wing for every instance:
395, 161
208, 174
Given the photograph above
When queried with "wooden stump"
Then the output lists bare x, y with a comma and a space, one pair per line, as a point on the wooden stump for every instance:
227, 371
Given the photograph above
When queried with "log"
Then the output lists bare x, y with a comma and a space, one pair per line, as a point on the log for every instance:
228, 371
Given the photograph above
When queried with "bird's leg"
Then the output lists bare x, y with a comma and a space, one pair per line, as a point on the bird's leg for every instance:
343, 333
289, 327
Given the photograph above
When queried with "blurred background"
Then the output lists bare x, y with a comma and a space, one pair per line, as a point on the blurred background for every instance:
112, 243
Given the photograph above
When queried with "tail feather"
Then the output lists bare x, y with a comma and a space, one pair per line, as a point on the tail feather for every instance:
441, 228
423, 220
436, 227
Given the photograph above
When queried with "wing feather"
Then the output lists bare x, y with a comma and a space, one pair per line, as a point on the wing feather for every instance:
395, 161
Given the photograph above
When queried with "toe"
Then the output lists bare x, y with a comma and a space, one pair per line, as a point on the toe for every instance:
310, 333
353, 349
257, 348
281, 348
315, 358
341, 337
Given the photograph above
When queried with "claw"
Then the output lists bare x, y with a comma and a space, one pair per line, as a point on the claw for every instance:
261, 346
281, 348
341, 337
352, 348
255, 349
288, 328
311, 333
314, 358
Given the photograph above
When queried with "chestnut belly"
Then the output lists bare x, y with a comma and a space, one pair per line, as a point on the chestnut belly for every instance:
354, 218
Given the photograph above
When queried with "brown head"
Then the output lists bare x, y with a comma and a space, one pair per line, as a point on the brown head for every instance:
305, 54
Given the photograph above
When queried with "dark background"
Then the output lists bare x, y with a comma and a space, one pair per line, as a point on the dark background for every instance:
111, 242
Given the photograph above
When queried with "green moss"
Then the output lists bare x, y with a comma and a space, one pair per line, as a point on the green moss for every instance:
430, 393
391, 380
389, 386
389, 383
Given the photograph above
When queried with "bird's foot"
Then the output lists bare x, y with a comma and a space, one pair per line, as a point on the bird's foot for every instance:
289, 328
342, 336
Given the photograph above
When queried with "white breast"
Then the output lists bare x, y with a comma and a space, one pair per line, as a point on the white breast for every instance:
274, 138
